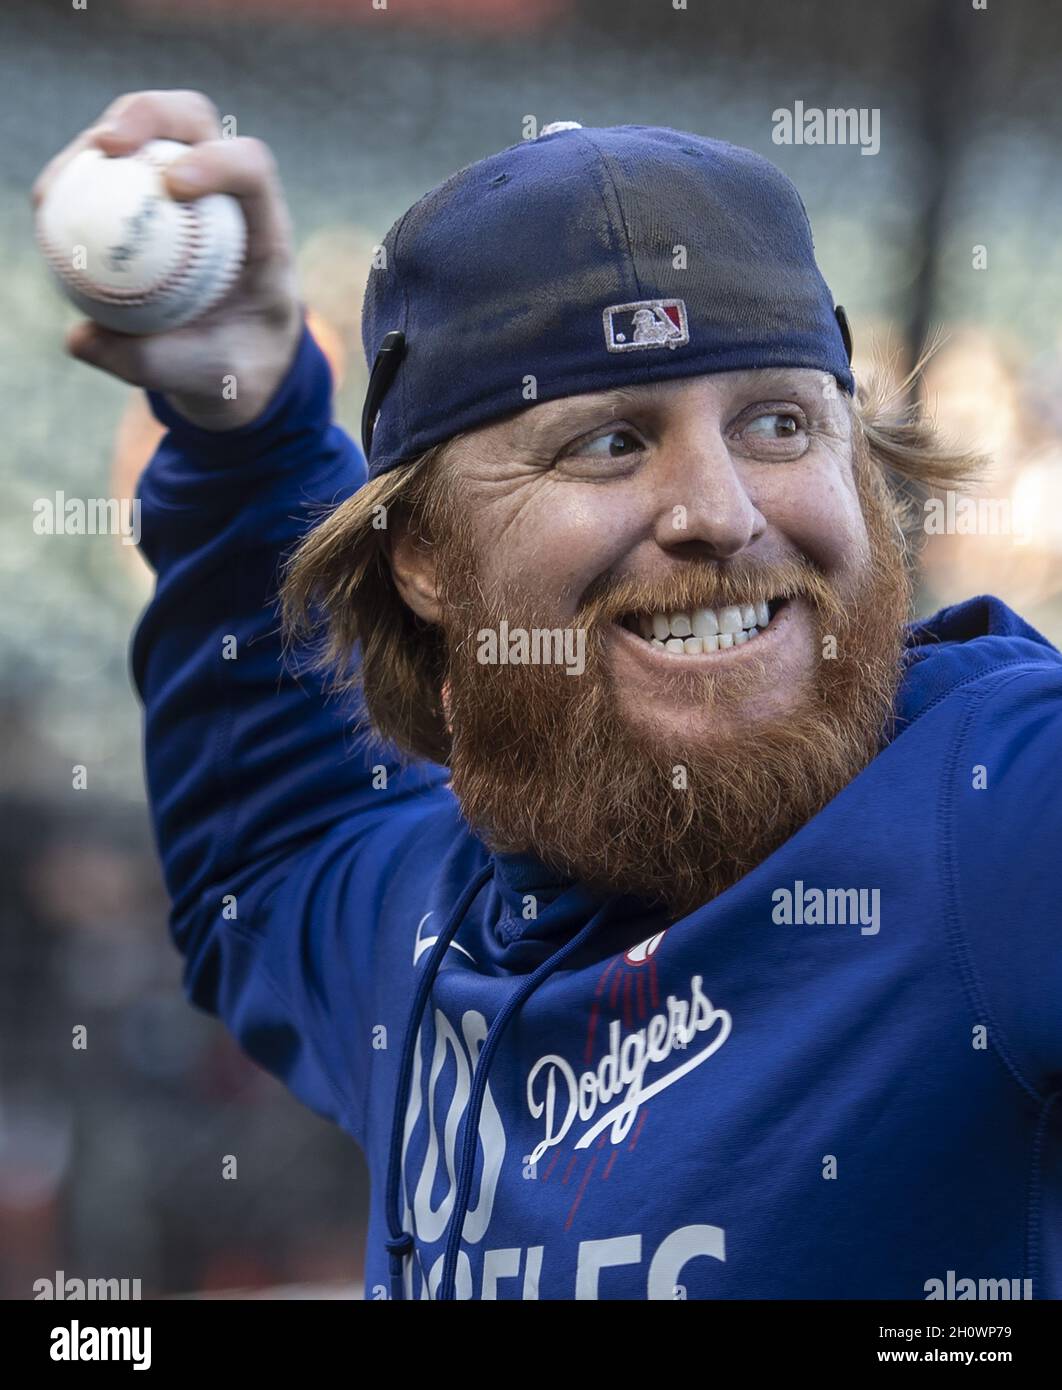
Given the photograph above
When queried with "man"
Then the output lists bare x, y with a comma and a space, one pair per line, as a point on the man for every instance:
720, 959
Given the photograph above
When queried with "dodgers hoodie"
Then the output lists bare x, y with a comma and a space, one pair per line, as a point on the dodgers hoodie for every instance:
835, 1080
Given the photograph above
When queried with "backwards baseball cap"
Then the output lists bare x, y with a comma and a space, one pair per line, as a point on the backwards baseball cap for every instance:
582, 260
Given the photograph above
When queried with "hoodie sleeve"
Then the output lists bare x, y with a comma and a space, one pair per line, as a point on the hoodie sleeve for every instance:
264, 804
1006, 871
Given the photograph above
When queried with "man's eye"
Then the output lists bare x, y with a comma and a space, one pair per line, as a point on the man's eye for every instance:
615, 444
775, 425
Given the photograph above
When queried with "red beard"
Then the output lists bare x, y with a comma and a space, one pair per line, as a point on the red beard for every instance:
543, 763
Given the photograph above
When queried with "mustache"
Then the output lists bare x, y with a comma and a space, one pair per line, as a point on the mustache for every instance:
705, 584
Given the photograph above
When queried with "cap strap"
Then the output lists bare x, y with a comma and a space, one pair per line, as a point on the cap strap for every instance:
388, 359
846, 330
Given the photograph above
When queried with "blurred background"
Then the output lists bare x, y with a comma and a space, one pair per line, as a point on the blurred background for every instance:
110, 1157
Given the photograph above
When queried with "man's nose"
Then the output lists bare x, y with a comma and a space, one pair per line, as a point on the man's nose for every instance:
702, 498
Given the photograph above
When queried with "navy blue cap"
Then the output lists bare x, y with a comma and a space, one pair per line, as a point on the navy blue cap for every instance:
582, 260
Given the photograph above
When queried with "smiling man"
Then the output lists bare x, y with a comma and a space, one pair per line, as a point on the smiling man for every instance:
718, 961
733, 572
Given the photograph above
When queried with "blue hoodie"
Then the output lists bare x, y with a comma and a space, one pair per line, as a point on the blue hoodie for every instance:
835, 1080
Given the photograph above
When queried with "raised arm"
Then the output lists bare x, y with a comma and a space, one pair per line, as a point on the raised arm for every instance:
263, 797
248, 759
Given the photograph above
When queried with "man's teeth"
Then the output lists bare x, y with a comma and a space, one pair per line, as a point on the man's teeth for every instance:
729, 620
705, 629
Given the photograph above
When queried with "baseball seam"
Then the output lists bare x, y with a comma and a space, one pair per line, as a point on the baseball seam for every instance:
190, 253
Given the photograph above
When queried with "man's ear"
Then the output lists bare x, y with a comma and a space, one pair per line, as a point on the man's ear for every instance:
413, 567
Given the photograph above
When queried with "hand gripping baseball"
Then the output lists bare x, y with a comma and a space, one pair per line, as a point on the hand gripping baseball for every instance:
187, 295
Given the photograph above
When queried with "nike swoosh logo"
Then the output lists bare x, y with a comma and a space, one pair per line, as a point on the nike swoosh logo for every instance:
425, 943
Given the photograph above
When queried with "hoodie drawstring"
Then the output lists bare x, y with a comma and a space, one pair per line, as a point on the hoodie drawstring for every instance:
481, 1075
400, 1242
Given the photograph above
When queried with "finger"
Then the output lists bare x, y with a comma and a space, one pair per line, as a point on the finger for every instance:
165, 362
117, 353
131, 121
168, 115
246, 169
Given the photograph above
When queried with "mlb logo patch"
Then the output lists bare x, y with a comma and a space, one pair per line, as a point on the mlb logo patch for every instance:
650, 323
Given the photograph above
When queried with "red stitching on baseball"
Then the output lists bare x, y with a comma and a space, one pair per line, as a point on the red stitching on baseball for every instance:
191, 252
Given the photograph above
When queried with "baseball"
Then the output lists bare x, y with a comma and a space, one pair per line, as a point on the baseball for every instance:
126, 253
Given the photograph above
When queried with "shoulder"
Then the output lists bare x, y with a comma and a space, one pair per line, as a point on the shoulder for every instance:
1009, 745
1003, 855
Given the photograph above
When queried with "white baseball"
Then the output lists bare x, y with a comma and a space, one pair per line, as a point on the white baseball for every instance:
130, 256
